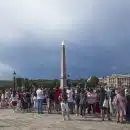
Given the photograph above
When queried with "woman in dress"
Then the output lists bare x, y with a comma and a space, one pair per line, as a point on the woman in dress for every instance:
120, 105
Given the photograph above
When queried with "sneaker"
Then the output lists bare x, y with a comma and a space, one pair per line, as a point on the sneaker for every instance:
77, 114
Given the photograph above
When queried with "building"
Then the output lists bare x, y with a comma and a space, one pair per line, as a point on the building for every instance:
102, 81
116, 80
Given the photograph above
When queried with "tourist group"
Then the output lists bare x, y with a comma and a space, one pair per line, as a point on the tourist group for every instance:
79, 101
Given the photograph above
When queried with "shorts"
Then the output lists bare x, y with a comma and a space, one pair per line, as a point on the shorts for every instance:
64, 107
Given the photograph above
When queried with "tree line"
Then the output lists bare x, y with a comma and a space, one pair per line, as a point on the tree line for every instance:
26, 83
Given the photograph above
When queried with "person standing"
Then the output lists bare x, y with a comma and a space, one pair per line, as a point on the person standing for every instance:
128, 106
35, 101
50, 100
104, 104
97, 108
91, 101
120, 105
28, 97
39, 93
83, 103
6, 98
13, 101
3, 99
77, 101
64, 104
57, 92
70, 99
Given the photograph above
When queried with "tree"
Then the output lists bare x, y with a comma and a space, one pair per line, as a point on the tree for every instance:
82, 82
74, 82
19, 82
26, 83
93, 82
55, 83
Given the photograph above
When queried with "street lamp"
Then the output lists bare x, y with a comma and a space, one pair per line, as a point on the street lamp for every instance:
14, 74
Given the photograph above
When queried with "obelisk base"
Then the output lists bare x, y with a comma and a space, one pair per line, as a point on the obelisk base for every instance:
62, 83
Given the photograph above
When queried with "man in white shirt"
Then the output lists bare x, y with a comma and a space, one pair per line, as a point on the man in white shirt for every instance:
70, 100
39, 93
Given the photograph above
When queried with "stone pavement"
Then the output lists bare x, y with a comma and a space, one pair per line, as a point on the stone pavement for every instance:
33, 121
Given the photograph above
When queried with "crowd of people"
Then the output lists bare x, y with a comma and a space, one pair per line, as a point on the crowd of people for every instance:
67, 101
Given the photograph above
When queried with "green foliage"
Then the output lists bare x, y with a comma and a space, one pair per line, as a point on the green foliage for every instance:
41, 82
19, 82
93, 82
82, 82
74, 82
26, 83
55, 83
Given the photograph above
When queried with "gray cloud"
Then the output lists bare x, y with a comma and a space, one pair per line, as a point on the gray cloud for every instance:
100, 28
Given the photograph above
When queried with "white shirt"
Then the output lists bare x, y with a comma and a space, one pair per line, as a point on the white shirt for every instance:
2, 96
39, 94
70, 95
13, 98
6, 94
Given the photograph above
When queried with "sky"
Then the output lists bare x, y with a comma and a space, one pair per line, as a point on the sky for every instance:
96, 35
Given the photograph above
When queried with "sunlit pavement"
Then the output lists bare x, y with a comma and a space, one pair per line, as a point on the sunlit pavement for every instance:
33, 121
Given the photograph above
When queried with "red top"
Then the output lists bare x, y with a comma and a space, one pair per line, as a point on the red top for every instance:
57, 92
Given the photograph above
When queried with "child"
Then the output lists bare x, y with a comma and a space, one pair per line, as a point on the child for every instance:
64, 104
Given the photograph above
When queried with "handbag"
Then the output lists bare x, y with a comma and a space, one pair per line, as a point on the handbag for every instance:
105, 103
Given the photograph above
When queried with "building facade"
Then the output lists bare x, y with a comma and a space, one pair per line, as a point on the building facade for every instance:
116, 80
102, 81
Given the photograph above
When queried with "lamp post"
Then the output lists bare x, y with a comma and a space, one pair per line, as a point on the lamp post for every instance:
14, 74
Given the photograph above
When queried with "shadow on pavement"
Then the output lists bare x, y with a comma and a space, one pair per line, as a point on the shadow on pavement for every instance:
1, 126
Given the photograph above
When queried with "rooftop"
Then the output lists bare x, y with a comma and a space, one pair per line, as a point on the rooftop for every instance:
121, 75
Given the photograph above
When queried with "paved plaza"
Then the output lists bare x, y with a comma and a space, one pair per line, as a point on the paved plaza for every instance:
33, 121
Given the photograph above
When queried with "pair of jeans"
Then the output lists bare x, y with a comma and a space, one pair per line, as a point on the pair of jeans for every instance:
71, 106
82, 109
40, 105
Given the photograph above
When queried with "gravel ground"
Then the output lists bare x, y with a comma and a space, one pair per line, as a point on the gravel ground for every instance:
33, 121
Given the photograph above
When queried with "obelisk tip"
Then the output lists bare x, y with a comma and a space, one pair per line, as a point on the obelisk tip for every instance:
62, 43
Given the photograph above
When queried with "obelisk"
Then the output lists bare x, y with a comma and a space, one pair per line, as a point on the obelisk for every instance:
63, 66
